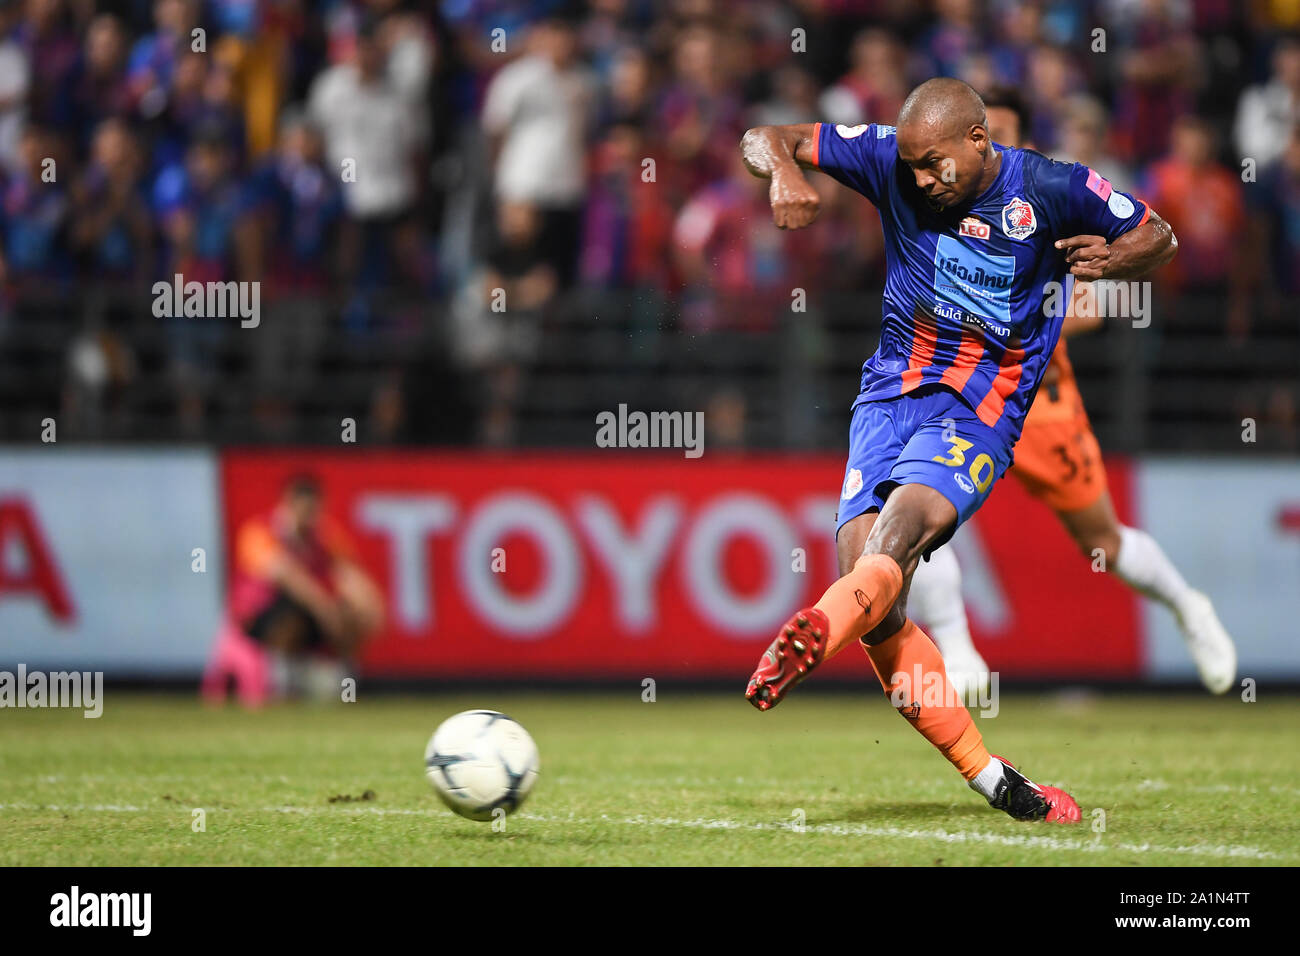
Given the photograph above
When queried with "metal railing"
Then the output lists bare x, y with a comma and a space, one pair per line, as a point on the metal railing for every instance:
106, 369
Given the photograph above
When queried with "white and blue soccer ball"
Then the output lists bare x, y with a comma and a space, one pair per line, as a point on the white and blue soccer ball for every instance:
481, 761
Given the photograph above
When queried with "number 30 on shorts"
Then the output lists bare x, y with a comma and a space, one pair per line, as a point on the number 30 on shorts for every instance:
981, 469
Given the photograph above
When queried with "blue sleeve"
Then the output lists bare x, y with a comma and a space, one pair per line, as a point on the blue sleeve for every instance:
1095, 208
170, 191
861, 157
141, 57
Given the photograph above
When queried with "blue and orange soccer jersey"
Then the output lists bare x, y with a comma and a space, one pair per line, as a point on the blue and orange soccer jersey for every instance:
974, 297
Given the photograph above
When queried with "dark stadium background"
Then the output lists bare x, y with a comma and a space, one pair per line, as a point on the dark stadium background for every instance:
505, 145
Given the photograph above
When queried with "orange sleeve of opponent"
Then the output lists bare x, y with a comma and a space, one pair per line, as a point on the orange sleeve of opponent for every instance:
256, 549
336, 540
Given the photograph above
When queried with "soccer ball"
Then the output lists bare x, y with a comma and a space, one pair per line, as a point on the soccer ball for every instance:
480, 761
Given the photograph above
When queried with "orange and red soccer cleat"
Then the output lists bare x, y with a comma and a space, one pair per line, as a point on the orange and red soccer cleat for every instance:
799, 647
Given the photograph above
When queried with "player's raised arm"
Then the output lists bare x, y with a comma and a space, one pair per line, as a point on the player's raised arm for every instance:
1135, 253
780, 153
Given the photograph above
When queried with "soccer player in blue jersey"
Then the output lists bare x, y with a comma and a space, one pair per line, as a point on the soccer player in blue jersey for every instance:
979, 240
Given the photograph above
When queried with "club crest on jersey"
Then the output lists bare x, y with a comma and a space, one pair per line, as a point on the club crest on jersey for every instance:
852, 484
972, 227
1018, 219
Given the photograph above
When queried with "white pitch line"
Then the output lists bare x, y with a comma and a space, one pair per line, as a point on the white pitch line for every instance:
1219, 851
943, 836
1150, 786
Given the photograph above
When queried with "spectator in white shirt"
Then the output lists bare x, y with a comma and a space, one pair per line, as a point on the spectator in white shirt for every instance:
536, 115
1267, 112
374, 126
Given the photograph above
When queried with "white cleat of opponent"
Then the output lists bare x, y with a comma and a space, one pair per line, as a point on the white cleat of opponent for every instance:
1209, 643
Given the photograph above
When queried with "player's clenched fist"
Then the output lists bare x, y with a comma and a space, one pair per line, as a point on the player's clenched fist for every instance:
795, 203
1088, 256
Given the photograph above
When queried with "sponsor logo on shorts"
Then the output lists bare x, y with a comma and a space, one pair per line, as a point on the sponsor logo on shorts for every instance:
964, 483
1018, 219
852, 483
972, 227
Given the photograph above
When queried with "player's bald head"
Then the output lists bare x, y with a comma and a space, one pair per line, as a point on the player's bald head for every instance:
942, 107
943, 137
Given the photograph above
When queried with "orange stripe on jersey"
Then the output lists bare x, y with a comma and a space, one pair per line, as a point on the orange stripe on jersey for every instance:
816, 143
924, 340
1146, 210
1008, 378
964, 363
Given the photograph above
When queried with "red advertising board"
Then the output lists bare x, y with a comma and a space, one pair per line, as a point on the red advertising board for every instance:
635, 565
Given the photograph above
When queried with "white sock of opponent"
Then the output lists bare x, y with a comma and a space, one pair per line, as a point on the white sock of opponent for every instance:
1143, 566
935, 602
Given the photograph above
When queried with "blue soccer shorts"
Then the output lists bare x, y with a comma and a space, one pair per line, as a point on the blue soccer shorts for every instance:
928, 436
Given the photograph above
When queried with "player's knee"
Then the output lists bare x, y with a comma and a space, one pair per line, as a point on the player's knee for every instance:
890, 625
905, 531
1094, 543
851, 540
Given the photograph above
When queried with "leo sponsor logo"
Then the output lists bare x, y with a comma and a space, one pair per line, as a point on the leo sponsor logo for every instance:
974, 229
1018, 219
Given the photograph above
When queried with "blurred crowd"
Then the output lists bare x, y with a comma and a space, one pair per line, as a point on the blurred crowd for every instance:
467, 164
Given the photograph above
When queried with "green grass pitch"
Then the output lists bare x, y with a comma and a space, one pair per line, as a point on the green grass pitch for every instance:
689, 779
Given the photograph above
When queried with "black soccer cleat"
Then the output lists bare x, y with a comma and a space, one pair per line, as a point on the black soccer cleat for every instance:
1022, 799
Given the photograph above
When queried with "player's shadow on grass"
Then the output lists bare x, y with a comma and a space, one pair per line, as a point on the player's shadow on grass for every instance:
901, 814
843, 812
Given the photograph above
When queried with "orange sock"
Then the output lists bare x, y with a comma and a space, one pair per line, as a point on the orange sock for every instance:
911, 670
858, 601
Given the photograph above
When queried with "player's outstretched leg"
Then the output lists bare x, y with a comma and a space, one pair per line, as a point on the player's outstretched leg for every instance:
912, 673
1142, 564
934, 599
851, 607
